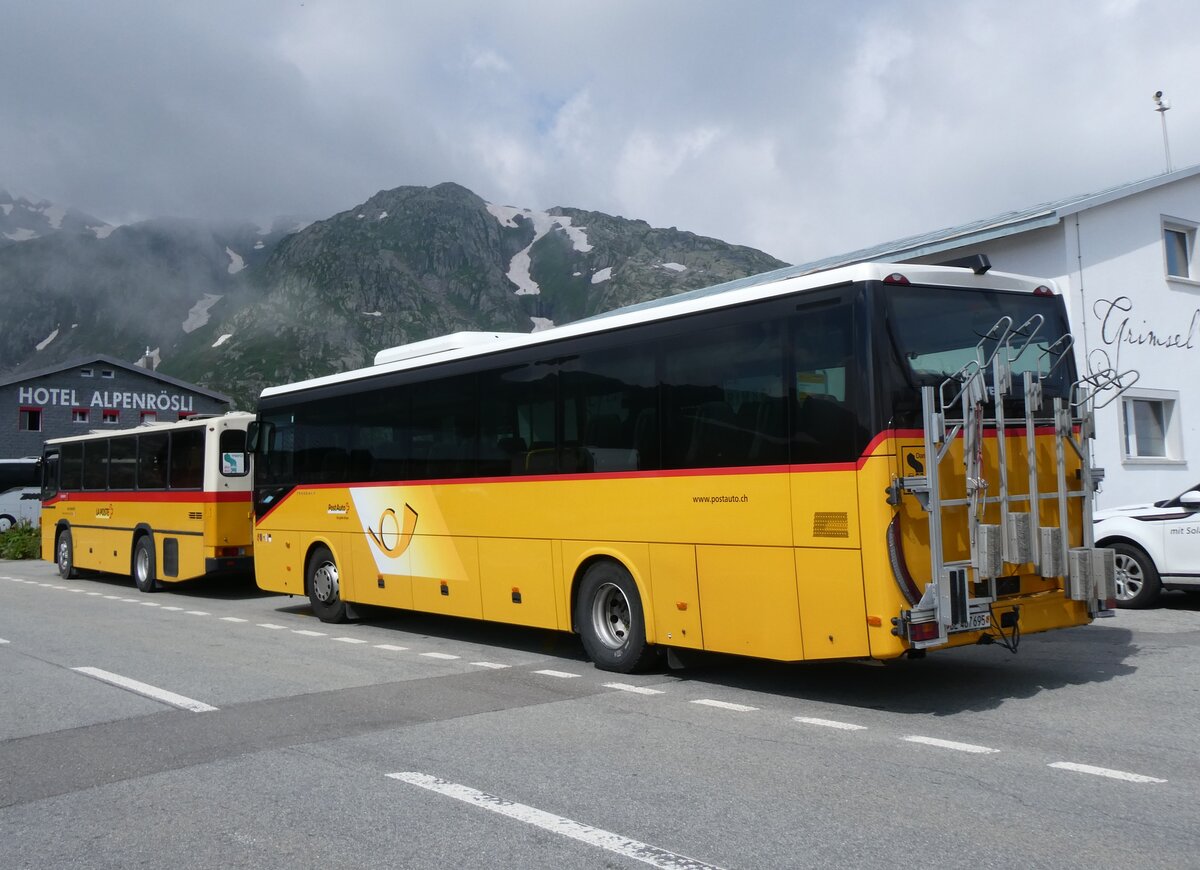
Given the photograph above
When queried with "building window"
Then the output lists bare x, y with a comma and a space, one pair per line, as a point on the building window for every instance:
1179, 244
79, 415
107, 373
1150, 423
111, 416
29, 419
149, 416
86, 373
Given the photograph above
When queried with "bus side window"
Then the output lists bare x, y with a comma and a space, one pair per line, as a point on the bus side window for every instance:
187, 459
71, 467
152, 461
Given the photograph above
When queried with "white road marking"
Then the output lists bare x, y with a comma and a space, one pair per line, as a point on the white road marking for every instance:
270, 625
637, 690
1104, 771
493, 665
725, 705
47, 585
950, 744
113, 597
147, 690
171, 607
437, 655
390, 647
562, 675
150, 604
348, 639
129, 600
307, 633
95, 593
560, 825
76, 590
197, 613
829, 723
3, 641
232, 619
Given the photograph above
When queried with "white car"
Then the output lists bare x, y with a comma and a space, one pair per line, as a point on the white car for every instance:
1157, 546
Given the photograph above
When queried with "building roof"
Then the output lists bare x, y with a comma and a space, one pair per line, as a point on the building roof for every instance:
950, 238
101, 359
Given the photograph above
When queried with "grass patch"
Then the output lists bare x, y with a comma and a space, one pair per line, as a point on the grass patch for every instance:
22, 541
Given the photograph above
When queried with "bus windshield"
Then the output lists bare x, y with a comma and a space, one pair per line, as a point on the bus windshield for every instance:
936, 332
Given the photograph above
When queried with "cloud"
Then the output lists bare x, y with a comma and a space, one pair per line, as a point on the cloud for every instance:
802, 129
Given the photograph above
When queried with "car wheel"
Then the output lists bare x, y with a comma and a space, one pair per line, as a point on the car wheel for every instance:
1138, 584
324, 587
6, 522
143, 564
610, 620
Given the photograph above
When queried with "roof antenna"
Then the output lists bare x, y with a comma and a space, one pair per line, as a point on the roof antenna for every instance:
1161, 105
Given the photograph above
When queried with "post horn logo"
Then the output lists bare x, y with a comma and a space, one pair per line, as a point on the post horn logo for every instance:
394, 534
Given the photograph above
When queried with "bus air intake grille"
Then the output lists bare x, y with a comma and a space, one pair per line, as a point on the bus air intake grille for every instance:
831, 524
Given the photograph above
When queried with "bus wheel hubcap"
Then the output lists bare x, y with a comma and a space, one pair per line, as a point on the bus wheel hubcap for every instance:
325, 584
143, 565
610, 616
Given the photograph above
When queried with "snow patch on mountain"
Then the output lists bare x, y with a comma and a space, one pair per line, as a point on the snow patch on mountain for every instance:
602, 275
540, 323
236, 263
22, 235
543, 222
675, 267
224, 338
198, 315
41, 345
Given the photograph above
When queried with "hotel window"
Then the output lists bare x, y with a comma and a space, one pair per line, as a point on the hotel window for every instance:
29, 420
1150, 423
1179, 246
149, 416
87, 373
107, 373
111, 416
79, 415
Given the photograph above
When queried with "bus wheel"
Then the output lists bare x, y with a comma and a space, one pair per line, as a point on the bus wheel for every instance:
143, 564
324, 590
610, 620
6, 522
64, 555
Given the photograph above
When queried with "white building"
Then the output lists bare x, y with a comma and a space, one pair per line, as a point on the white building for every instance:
1125, 260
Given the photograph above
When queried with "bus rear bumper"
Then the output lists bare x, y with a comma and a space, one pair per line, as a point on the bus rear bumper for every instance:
229, 565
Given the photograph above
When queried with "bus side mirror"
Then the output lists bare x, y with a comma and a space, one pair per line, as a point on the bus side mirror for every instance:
258, 437
252, 437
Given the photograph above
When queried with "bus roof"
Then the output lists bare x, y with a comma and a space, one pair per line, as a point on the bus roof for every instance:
165, 426
463, 345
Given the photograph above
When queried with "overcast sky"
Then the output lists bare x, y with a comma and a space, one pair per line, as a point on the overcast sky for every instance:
802, 128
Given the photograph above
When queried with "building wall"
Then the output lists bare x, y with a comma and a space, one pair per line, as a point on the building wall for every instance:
1110, 263
60, 397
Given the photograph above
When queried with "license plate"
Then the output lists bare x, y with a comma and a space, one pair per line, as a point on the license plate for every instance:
975, 622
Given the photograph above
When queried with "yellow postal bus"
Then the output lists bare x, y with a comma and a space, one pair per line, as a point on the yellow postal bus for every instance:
163, 502
858, 463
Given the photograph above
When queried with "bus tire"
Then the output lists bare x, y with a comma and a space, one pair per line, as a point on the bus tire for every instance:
7, 522
64, 555
611, 621
324, 586
143, 565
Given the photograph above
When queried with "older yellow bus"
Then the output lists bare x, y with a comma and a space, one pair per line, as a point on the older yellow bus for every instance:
866, 462
164, 502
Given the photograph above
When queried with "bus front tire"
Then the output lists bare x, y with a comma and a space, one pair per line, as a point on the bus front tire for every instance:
64, 555
324, 587
611, 621
6, 522
143, 565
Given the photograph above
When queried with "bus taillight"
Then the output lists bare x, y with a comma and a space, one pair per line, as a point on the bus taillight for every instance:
1043, 291
896, 278
922, 631
229, 552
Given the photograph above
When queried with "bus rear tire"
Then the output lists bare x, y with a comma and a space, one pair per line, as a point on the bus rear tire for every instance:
324, 587
610, 620
64, 555
143, 565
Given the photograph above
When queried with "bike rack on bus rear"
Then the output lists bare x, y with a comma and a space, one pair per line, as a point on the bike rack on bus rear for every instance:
962, 592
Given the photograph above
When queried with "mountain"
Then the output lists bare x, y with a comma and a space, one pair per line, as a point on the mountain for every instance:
236, 309
22, 220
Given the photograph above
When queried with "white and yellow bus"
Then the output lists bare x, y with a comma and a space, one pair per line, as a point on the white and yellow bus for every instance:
807, 467
164, 502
